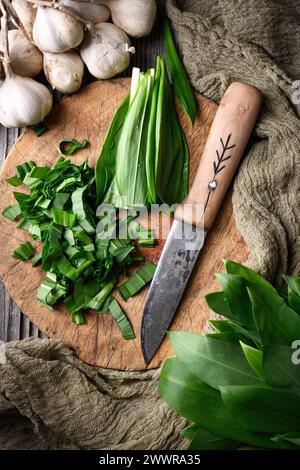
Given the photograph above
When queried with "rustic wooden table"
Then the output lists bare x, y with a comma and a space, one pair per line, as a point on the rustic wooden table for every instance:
13, 324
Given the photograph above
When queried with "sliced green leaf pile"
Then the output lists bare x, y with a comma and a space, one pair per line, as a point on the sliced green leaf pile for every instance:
240, 386
81, 265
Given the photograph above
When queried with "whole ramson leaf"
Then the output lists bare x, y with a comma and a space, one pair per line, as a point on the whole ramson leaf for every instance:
205, 440
202, 404
268, 410
255, 359
183, 89
105, 166
218, 303
263, 409
163, 152
250, 337
276, 322
215, 362
248, 275
130, 169
235, 290
230, 336
153, 137
293, 437
278, 367
293, 283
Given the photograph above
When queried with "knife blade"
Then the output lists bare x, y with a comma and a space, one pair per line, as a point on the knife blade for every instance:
228, 137
173, 271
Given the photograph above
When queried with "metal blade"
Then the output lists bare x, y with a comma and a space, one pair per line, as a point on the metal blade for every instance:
171, 277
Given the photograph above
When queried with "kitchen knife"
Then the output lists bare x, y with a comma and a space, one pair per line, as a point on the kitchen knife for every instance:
228, 137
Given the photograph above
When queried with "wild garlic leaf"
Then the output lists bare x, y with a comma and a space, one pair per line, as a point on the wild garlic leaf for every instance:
215, 362
182, 86
105, 166
194, 399
235, 290
293, 283
255, 359
205, 440
218, 303
263, 409
279, 369
276, 322
24, 252
248, 274
131, 178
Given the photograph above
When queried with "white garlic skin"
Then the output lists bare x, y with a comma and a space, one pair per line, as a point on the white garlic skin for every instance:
89, 11
135, 17
105, 50
26, 12
64, 71
26, 59
23, 101
55, 31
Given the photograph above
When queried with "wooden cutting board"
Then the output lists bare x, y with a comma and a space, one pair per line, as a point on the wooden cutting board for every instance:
88, 115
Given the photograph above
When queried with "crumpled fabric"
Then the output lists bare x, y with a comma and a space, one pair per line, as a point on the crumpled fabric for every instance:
49, 399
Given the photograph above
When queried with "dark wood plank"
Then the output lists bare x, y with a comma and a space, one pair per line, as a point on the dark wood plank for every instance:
10, 315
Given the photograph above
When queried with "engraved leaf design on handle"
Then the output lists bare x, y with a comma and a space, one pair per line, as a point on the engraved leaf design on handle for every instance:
219, 165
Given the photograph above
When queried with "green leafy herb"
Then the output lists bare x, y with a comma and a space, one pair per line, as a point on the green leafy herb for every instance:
121, 320
105, 166
59, 210
183, 89
24, 252
130, 160
40, 129
145, 157
14, 181
71, 146
138, 281
240, 387
12, 212
36, 259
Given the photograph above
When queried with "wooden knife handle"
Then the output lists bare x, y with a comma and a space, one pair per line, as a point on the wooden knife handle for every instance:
228, 137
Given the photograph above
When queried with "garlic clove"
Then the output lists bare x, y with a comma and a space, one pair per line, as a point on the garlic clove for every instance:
89, 11
106, 50
26, 59
26, 13
23, 101
55, 31
64, 71
135, 17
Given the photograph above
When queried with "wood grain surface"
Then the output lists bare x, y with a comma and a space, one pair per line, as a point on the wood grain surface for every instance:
87, 115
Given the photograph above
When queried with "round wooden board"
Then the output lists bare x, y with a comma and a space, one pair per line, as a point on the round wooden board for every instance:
88, 115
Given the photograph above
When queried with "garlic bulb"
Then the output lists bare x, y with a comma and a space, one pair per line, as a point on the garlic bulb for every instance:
26, 13
88, 11
135, 17
106, 50
26, 59
23, 101
64, 71
55, 31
